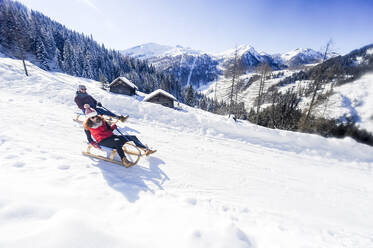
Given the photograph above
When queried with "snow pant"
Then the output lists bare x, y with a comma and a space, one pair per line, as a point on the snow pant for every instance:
102, 111
117, 143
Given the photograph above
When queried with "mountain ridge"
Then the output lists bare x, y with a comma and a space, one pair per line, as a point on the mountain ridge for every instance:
149, 50
183, 62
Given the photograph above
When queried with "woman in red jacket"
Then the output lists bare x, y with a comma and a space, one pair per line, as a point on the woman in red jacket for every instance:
102, 132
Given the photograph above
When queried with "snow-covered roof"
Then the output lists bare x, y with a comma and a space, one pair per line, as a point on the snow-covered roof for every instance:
125, 80
159, 91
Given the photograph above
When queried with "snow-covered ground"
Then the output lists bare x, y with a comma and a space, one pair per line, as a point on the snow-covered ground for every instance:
355, 99
212, 183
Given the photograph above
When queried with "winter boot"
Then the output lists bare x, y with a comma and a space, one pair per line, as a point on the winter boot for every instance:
127, 163
123, 118
149, 151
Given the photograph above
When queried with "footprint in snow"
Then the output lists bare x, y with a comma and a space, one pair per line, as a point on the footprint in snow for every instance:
63, 167
225, 208
19, 164
12, 156
191, 201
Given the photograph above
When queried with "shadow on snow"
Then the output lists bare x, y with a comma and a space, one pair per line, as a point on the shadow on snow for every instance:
131, 181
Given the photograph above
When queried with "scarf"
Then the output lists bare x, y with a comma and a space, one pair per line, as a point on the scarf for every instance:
96, 125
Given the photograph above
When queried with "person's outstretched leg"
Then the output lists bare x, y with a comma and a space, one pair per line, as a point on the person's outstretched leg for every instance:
117, 142
135, 140
139, 144
102, 111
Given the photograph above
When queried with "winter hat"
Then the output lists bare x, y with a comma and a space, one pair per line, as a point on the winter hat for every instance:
81, 87
90, 112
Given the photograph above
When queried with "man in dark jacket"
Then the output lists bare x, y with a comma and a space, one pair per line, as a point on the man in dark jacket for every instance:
82, 98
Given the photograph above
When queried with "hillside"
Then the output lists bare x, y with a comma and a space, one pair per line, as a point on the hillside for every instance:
28, 34
212, 183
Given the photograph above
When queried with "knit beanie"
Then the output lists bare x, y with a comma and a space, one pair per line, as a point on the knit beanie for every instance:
81, 87
90, 112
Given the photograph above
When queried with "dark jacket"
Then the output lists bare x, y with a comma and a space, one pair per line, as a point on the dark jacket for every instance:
84, 98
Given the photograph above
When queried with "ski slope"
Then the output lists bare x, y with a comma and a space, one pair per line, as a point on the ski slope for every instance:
212, 183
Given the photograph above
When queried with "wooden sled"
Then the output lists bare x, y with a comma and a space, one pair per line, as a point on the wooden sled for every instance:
132, 152
109, 119
76, 119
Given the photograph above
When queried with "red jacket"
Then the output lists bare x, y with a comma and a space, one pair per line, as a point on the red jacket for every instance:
102, 132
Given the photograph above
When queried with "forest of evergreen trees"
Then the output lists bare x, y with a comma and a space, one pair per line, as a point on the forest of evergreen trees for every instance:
28, 34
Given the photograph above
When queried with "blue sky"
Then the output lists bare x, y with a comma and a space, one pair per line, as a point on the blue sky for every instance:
214, 26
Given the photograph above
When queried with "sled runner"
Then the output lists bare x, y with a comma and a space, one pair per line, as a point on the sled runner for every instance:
133, 153
77, 118
80, 117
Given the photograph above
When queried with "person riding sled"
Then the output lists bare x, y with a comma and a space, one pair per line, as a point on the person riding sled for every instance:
95, 126
82, 98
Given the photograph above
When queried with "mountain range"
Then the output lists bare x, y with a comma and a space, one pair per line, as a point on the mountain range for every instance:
198, 68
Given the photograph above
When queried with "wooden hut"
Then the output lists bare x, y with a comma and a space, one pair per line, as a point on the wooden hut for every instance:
161, 97
122, 85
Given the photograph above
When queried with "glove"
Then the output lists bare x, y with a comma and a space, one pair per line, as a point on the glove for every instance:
113, 127
99, 104
95, 145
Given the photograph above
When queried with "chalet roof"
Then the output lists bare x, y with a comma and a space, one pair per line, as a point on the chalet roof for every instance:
157, 92
125, 80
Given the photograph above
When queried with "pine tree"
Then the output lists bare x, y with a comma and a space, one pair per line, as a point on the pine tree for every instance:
69, 59
41, 54
104, 82
189, 96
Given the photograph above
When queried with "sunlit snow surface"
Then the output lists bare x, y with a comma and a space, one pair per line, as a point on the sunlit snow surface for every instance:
212, 183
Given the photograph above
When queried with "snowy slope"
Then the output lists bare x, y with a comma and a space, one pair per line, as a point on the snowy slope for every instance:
354, 100
212, 183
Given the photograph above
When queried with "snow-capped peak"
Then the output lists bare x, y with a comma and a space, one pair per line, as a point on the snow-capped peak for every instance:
147, 50
151, 50
301, 51
241, 50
